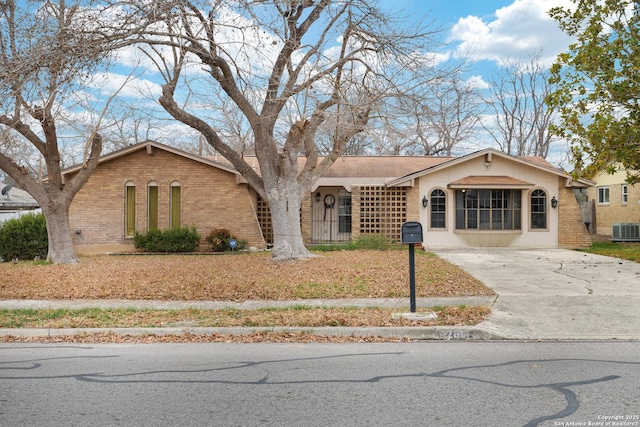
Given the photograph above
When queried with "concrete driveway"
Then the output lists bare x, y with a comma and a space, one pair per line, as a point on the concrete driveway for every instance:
555, 293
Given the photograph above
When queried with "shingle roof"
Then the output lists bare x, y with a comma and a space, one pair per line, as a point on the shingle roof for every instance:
15, 198
380, 166
489, 181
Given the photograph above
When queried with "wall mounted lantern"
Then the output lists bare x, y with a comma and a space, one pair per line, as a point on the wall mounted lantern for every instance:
318, 196
554, 202
425, 201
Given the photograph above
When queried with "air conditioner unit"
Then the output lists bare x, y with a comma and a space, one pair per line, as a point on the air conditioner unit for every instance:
625, 232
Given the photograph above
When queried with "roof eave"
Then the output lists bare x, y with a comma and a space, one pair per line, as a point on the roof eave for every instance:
150, 147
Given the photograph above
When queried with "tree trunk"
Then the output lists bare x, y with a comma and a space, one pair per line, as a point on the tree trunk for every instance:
61, 249
284, 203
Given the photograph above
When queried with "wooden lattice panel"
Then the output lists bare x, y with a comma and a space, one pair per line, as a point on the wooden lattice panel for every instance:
382, 211
264, 218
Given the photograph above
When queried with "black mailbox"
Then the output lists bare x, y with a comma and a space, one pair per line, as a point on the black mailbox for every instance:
412, 232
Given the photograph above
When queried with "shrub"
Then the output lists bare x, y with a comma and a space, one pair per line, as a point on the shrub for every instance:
219, 239
365, 242
372, 241
183, 239
24, 238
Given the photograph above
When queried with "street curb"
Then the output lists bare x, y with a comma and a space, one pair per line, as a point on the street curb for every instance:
408, 332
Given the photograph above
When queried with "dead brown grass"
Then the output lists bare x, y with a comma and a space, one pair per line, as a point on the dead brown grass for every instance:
266, 337
239, 277
345, 274
300, 316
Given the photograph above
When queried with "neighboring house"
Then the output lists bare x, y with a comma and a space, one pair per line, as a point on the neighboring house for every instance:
614, 202
487, 198
15, 202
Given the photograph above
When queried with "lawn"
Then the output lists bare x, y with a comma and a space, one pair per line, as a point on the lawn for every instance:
235, 277
238, 277
296, 316
624, 250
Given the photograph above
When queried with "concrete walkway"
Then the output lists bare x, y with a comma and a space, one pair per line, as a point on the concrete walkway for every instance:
543, 294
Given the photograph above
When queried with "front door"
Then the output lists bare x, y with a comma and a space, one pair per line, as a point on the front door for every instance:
331, 215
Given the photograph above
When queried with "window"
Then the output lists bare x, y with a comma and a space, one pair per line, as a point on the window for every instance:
438, 209
538, 209
130, 209
344, 212
488, 209
174, 202
603, 195
152, 206
625, 194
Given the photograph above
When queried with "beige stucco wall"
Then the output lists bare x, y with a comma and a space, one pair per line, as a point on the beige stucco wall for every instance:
615, 211
526, 237
210, 198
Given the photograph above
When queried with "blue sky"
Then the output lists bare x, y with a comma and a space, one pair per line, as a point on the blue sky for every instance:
489, 32
485, 32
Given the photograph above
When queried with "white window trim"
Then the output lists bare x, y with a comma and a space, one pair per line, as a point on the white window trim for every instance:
606, 187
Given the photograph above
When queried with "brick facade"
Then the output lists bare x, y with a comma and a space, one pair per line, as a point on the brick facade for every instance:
214, 196
572, 232
210, 198
413, 202
615, 211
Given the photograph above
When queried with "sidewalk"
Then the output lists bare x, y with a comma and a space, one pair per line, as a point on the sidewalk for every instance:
543, 294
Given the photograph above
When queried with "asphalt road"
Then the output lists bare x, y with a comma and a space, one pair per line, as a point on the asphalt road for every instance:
427, 383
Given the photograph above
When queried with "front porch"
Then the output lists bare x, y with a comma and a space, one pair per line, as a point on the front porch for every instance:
338, 215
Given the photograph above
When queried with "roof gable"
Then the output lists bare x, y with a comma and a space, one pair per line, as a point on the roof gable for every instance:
536, 162
150, 146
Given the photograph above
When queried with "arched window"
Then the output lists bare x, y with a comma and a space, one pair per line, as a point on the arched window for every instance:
130, 209
438, 209
538, 209
174, 202
152, 206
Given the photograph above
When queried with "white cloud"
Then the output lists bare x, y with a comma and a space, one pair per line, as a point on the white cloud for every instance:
477, 82
517, 30
128, 86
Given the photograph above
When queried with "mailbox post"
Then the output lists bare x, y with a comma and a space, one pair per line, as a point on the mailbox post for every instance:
412, 234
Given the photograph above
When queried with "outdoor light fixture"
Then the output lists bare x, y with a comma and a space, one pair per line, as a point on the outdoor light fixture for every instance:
425, 201
554, 202
318, 195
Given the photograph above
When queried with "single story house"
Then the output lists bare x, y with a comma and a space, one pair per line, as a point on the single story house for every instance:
486, 198
614, 202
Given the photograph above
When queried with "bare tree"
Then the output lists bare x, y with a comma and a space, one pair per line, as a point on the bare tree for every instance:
435, 119
129, 125
288, 66
449, 119
439, 118
44, 56
27, 155
359, 145
519, 120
